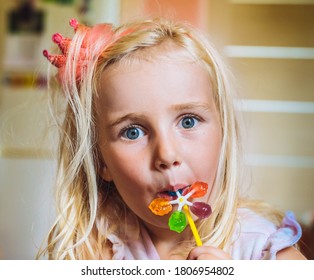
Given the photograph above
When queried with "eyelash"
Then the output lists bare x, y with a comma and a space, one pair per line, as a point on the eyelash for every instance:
190, 115
125, 129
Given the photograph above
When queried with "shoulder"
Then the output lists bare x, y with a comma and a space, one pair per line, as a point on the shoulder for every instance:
250, 235
250, 223
256, 237
290, 253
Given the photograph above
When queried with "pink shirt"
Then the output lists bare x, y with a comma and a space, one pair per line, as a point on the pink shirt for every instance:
254, 238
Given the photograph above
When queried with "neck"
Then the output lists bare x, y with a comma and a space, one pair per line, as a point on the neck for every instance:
167, 242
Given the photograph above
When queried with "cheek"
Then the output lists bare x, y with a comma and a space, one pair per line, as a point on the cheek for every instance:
207, 150
122, 166
206, 157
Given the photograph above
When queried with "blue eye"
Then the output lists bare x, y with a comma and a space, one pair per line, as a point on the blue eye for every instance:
188, 122
133, 133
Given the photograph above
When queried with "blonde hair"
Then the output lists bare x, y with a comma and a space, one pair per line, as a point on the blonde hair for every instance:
89, 208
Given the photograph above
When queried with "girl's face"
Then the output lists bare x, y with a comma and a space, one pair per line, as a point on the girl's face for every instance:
159, 131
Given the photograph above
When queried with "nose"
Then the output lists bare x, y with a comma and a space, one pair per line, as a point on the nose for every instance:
167, 153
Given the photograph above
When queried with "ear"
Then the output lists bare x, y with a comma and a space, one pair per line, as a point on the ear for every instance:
106, 174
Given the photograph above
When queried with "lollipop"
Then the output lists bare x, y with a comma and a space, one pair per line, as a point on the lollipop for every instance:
179, 219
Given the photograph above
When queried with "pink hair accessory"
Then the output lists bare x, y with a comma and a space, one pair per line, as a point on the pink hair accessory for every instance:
74, 23
96, 39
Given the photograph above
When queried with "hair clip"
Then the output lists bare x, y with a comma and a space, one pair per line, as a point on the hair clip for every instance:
95, 41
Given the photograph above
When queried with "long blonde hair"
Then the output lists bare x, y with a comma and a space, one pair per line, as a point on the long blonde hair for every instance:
88, 208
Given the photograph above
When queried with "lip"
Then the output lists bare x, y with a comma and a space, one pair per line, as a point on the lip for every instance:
169, 192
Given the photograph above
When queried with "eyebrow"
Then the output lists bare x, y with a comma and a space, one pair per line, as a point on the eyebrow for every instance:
192, 105
176, 107
130, 116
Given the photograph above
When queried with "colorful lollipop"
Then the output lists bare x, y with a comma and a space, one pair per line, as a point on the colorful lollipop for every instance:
178, 219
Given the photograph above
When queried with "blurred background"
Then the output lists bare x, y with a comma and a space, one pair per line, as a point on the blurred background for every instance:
269, 46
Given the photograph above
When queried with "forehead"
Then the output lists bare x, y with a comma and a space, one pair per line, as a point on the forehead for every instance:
144, 74
162, 70
146, 85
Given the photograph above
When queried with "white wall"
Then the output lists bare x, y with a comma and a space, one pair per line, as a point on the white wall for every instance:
26, 206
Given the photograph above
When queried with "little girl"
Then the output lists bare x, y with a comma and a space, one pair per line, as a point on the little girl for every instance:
148, 112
